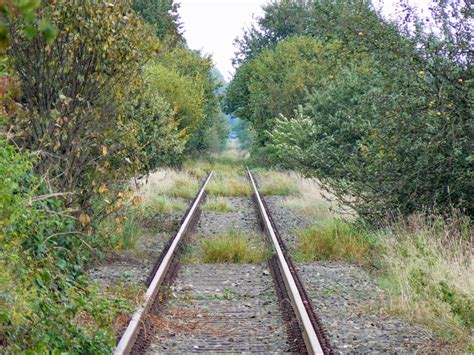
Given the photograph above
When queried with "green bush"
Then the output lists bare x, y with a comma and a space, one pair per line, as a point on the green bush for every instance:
45, 302
387, 128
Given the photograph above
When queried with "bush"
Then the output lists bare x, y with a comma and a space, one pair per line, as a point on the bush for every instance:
69, 88
45, 302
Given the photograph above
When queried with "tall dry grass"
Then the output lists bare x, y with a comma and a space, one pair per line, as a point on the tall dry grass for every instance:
427, 267
168, 182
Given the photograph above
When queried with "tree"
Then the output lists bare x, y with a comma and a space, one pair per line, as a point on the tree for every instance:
67, 93
163, 16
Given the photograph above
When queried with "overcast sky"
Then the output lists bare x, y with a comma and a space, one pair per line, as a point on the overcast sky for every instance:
212, 25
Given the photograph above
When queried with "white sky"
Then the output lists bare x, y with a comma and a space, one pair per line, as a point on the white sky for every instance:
212, 25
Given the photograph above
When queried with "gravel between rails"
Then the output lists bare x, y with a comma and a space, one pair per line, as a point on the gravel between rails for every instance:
134, 267
218, 308
346, 298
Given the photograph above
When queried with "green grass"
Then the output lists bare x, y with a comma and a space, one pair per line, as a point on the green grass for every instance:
162, 204
228, 186
234, 247
217, 204
424, 264
184, 187
426, 267
129, 232
334, 240
278, 184
223, 165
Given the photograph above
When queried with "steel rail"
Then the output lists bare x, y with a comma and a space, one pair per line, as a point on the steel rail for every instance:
128, 338
309, 333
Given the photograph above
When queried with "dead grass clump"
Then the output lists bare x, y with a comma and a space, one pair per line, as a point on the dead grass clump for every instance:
217, 204
335, 240
234, 247
427, 267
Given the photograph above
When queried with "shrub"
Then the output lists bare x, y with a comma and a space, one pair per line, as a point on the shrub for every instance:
69, 88
45, 302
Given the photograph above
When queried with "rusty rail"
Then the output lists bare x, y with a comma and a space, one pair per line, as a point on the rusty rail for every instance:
128, 338
314, 335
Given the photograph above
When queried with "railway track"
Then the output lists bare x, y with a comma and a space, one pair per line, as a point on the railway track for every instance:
305, 333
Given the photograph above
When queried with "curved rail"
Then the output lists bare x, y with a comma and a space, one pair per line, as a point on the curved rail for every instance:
127, 340
310, 337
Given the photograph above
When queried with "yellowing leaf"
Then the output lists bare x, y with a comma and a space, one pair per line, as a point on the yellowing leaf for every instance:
84, 219
136, 200
102, 189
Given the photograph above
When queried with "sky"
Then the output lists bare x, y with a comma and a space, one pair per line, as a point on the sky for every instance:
212, 25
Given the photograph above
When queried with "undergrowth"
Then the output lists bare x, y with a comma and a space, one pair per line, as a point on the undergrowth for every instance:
426, 266
234, 247
217, 204
222, 185
277, 183
334, 240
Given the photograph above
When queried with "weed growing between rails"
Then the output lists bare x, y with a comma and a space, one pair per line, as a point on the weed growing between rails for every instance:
217, 204
233, 247
424, 263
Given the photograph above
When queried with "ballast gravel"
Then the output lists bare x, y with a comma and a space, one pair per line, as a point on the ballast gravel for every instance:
124, 267
348, 300
222, 308
242, 218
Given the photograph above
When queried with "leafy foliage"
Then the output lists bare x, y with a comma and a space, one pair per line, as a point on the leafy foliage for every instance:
67, 92
386, 127
44, 301
84, 107
163, 15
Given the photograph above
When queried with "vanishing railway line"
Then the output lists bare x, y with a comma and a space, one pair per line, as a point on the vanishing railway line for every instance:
304, 331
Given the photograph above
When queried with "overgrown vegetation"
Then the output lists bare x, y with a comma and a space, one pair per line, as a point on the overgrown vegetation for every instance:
95, 94
92, 95
229, 186
234, 247
335, 240
427, 265
217, 204
277, 183
379, 111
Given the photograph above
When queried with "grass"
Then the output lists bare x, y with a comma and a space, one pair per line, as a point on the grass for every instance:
162, 204
425, 265
427, 268
226, 164
234, 247
335, 240
313, 201
278, 183
128, 233
170, 183
217, 204
228, 186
